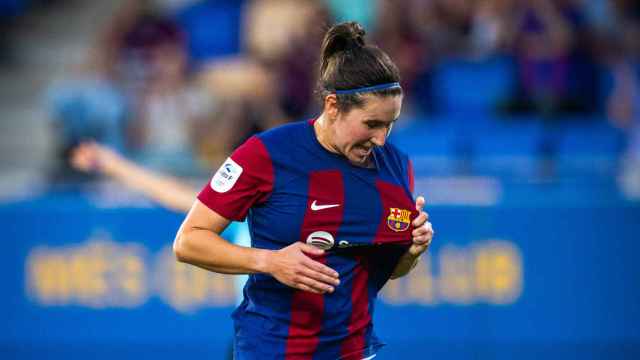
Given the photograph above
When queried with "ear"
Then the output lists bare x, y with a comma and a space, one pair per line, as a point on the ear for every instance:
331, 106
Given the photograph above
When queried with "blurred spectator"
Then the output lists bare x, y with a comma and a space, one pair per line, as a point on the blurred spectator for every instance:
542, 47
138, 95
491, 28
427, 34
583, 80
246, 102
168, 107
401, 39
445, 25
251, 66
556, 68
283, 36
623, 110
270, 82
86, 104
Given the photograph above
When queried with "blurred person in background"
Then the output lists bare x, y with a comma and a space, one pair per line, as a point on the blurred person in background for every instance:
282, 37
556, 70
620, 54
295, 303
541, 46
169, 108
624, 112
87, 103
172, 193
133, 93
492, 27
445, 25
268, 82
396, 34
422, 35
245, 104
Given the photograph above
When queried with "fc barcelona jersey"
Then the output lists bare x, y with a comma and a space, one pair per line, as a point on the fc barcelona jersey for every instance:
292, 189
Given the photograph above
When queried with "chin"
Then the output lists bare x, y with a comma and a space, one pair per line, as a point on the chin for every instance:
358, 160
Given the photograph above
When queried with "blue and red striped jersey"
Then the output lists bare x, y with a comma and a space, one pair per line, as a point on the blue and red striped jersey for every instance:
292, 189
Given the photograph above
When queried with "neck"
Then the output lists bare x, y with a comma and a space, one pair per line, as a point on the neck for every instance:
322, 129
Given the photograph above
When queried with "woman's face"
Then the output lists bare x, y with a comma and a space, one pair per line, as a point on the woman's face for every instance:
357, 131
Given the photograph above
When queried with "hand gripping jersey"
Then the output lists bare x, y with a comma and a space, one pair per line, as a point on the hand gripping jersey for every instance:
295, 190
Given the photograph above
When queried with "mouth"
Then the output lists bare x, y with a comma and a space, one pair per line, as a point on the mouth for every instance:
363, 151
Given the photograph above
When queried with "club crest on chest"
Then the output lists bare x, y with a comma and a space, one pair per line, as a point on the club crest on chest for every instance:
398, 219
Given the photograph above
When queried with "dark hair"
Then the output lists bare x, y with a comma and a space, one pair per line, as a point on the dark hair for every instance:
349, 63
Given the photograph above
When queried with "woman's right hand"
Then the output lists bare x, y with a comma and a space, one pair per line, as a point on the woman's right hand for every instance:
294, 267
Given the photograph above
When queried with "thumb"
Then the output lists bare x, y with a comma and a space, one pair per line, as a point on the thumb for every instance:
420, 203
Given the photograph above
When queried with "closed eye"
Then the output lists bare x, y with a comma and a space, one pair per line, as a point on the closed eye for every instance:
378, 124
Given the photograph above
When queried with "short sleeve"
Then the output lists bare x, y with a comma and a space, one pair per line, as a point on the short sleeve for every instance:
244, 180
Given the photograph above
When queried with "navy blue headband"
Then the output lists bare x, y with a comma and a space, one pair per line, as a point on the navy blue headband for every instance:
392, 85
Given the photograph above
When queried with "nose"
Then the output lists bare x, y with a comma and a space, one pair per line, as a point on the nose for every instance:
379, 137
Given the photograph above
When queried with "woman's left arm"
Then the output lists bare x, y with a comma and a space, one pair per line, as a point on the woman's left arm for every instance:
422, 235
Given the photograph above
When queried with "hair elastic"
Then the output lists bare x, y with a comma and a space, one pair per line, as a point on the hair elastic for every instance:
392, 85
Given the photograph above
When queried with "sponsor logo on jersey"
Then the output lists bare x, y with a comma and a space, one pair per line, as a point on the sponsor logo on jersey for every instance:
398, 219
321, 239
226, 176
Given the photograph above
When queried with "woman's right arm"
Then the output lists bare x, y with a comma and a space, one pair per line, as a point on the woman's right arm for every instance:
199, 243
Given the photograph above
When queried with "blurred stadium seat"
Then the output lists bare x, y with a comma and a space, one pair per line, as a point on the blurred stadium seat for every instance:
469, 85
212, 28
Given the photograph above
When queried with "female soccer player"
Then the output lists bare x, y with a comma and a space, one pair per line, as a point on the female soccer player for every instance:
330, 210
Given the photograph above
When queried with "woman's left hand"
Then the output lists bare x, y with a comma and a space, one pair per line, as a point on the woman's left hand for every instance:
422, 232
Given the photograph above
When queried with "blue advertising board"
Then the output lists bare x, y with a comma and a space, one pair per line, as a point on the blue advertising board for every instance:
512, 279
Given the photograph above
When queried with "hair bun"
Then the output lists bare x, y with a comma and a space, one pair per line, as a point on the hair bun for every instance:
342, 37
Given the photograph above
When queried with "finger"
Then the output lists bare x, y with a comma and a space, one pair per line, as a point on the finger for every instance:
426, 227
321, 268
421, 240
429, 237
307, 288
419, 231
314, 284
310, 249
420, 219
420, 203
424, 238
423, 229
326, 279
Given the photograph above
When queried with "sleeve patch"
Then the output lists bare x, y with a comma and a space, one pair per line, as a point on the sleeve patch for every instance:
226, 176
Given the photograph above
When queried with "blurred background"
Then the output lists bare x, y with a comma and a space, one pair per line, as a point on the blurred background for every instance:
522, 118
